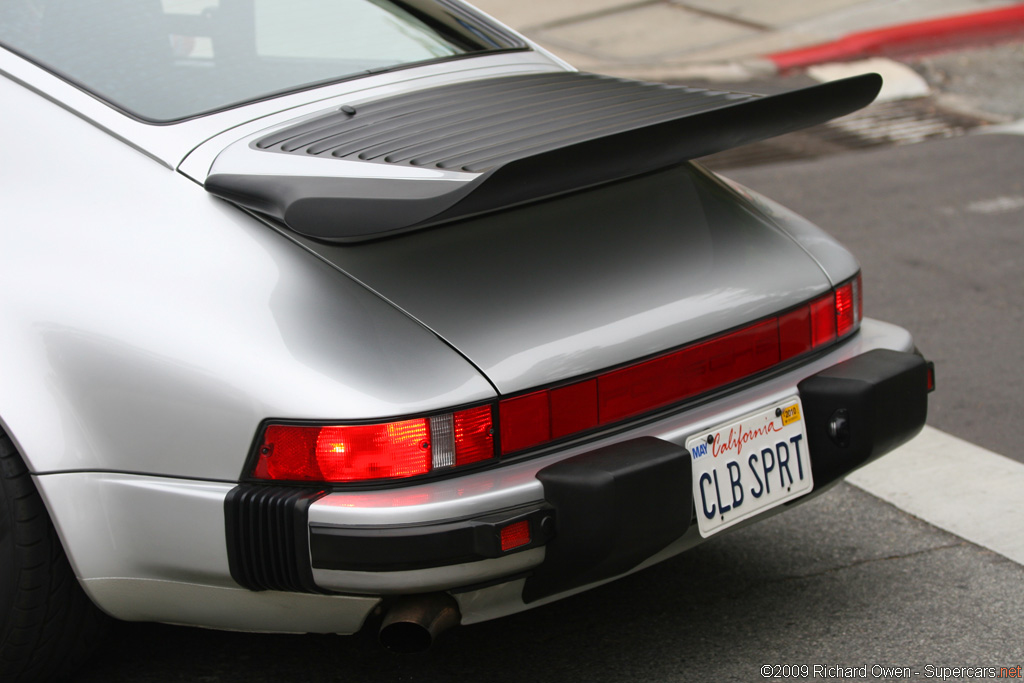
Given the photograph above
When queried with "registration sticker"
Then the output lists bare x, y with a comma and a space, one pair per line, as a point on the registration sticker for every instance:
750, 465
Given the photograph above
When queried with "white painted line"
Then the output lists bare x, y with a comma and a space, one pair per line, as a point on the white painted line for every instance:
956, 486
899, 81
1002, 204
1014, 128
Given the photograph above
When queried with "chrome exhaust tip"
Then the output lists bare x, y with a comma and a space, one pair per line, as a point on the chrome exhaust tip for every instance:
414, 622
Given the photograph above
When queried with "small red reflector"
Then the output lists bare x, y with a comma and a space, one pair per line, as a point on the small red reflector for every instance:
931, 377
515, 535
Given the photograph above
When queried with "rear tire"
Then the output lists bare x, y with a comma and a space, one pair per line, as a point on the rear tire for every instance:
48, 625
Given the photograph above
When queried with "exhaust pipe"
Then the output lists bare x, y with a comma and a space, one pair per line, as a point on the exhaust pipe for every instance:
414, 622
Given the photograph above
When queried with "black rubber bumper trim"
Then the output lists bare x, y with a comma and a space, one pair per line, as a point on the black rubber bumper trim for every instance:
267, 543
614, 507
878, 401
389, 549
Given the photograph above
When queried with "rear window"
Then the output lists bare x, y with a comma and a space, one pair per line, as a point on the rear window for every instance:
165, 60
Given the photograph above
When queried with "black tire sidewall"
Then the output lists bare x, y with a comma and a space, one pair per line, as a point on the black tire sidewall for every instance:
8, 546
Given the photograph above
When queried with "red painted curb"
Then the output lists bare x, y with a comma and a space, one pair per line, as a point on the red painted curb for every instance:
956, 31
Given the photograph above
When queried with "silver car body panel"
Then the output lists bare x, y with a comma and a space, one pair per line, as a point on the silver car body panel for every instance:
168, 324
107, 523
231, 609
831, 256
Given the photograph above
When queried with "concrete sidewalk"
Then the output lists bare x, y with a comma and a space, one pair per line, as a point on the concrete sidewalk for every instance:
736, 40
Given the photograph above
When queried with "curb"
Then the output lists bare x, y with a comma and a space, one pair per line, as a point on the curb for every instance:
956, 31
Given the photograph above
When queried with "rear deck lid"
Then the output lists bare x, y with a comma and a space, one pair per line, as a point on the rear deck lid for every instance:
545, 225
560, 288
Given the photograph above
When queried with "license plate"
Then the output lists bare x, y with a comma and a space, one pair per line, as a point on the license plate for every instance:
748, 466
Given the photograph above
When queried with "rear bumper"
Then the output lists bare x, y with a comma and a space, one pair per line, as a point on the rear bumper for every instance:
592, 516
161, 549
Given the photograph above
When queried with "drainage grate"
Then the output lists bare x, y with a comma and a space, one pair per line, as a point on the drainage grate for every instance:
900, 122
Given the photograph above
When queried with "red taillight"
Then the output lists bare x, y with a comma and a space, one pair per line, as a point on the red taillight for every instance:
474, 435
390, 450
543, 416
381, 451
291, 451
846, 309
407, 448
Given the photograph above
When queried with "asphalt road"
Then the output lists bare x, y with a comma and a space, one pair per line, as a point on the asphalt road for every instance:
845, 580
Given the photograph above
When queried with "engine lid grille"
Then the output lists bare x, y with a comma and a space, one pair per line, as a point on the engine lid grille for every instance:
480, 125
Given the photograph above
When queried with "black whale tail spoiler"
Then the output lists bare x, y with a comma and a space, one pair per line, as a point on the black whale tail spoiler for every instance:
433, 156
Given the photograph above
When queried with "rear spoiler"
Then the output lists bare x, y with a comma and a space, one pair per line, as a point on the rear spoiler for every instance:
432, 156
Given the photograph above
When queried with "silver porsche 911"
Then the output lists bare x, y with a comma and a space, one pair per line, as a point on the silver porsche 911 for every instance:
318, 315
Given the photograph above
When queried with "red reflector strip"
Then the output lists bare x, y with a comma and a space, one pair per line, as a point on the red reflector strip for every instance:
525, 421
795, 333
627, 392
573, 408
539, 417
686, 373
823, 320
515, 535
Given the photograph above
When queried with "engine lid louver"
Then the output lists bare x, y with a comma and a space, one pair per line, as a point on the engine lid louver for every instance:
477, 126
437, 155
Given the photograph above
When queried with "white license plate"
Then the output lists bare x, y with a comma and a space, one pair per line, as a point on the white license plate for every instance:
750, 465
